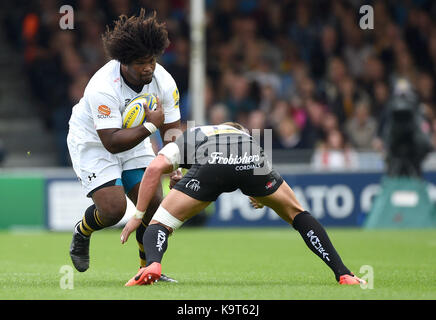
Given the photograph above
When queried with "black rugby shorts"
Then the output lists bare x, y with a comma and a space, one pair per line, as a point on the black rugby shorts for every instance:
206, 182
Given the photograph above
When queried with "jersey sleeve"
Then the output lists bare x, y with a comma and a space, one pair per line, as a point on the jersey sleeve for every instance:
170, 100
105, 110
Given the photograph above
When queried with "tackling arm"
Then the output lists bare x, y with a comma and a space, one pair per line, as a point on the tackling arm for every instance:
150, 180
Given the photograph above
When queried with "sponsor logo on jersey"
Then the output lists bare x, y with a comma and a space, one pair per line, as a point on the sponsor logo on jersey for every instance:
193, 184
248, 167
104, 110
219, 158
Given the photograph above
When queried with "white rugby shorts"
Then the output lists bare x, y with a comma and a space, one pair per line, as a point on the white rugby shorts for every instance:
94, 165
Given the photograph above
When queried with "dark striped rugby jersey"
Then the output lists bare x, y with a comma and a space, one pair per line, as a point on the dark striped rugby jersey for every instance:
218, 145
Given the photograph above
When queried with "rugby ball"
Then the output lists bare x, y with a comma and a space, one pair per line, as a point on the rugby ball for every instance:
134, 114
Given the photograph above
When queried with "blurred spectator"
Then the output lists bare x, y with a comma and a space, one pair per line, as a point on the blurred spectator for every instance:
256, 120
374, 71
327, 47
348, 95
356, 50
312, 132
380, 98
361, 128
90, 47
299, 114
330, 122
385, 41
425, 87
218, 114
89, 10
280, 110
256, 124
416, 33
287, 135
239, 98
336, 73
334, 154
179, 67
404, 65
304, 29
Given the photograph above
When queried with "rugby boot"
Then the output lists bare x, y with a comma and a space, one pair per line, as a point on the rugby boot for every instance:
146, 275
350, 280
79, 251
165, 278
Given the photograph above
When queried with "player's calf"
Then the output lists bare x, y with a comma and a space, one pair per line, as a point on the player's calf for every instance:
155, 242
142, 256
317, 240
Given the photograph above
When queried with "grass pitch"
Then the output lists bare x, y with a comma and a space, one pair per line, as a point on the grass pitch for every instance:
223, 264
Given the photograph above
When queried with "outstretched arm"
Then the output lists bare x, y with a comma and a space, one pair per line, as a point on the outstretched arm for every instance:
150, 180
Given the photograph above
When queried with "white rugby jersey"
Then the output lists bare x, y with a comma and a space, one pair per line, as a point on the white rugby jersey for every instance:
107, 95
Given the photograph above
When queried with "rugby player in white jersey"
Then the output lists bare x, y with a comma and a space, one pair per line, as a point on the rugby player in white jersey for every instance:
108, 159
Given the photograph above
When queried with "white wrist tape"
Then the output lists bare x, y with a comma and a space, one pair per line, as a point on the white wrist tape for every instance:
139, 214
166, 218
150, 127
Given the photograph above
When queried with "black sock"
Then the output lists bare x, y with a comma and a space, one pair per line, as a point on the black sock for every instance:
139, 238
155, 243
317, 240
90, 222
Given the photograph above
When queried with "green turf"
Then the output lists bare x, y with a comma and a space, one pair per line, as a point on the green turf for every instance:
212, 264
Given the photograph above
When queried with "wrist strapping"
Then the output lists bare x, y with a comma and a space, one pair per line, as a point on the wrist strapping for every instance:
138, 214
150, 127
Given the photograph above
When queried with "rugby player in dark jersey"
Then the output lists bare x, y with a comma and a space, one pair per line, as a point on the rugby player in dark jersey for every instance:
220, 159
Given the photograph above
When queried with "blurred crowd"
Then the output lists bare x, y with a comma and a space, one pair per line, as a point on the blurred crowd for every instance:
304, 69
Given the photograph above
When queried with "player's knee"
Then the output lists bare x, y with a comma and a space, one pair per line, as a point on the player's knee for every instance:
293, 213
170, 230
112, 212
